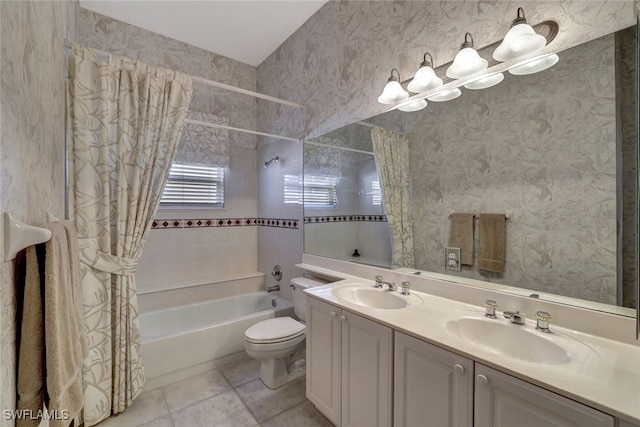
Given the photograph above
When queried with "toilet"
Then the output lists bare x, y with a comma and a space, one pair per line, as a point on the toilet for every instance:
279, 343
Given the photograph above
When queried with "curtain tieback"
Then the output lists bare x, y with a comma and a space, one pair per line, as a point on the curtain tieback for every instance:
92, 256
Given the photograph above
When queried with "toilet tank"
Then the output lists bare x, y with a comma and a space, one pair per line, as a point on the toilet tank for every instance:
298, 285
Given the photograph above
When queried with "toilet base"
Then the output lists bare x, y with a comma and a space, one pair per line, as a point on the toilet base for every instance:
275, 373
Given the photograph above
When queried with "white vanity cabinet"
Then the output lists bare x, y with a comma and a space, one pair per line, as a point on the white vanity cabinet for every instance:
503, 400
349, 366
432, 386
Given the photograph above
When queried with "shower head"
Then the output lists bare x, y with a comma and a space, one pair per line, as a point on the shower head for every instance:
275, 159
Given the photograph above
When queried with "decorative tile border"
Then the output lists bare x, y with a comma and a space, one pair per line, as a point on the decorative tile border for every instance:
163, 224
344, 218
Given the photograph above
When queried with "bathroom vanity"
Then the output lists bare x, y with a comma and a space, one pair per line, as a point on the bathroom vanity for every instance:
378, 358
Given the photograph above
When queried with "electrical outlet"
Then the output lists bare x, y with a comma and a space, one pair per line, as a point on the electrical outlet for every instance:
452, 259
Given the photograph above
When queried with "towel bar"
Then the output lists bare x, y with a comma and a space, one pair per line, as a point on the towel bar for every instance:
507, 216
18, 235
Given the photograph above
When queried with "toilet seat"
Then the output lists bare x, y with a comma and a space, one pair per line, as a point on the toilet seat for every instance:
279, 329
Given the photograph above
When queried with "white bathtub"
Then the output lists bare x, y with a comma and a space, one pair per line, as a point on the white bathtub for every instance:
183, 341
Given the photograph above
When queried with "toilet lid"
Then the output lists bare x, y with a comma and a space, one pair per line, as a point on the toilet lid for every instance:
276, 329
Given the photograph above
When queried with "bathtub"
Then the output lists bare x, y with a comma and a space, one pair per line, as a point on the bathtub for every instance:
183, 341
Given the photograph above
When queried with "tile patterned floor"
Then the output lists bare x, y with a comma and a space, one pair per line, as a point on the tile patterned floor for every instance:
232, 396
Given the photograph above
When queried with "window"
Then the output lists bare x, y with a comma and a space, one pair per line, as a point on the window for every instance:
376, 194
194, 186
316, 191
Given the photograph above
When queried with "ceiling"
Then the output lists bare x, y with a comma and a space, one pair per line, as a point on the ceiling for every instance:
245, 30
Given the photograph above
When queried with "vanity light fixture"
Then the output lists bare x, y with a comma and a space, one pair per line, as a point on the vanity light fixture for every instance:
445, 95
521, 46
467, 61
520, 41
415, 105
393, 91
484, 81
534, 65
425, 78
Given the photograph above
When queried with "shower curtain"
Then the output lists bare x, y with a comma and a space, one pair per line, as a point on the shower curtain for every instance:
391, 151
123, 121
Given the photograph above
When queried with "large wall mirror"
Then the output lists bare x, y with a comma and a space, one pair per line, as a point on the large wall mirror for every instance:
555, 151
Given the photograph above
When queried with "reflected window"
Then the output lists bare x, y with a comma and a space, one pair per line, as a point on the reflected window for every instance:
376, 194
315, 191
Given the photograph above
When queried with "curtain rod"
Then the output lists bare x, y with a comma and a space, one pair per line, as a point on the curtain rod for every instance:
337, 147
212, 83
253, 132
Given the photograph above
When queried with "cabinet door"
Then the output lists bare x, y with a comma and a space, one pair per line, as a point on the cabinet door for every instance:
502, 400
367, 372
432, 386
324, 358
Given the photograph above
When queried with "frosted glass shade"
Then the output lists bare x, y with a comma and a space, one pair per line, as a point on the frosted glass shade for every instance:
445, 95
485, 81
466, 63
392, 93
415, 105
425, 79
534, 65
520, 41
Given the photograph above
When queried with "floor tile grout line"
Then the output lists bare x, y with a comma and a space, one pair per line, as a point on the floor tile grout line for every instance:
164, 397
195, 401
246, 405
286, 410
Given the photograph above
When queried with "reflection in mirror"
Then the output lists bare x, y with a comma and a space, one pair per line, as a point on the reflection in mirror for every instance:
556, 150
350, 224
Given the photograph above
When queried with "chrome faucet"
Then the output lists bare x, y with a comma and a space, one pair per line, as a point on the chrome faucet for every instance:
273, 288
514, 316
379, 283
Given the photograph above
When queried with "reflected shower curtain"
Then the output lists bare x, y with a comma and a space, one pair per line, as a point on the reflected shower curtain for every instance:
123, 121
391, 151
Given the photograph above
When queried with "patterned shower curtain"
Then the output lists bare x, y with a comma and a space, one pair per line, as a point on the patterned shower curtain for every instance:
391, 151
123, 121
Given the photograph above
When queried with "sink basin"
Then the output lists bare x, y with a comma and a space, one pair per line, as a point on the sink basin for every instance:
367, 296
518, 342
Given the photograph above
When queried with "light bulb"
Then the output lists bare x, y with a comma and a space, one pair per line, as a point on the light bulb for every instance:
415, 105
484, 82
393, 91
467, 61
520, 41
534, 65
445, 95
425, 78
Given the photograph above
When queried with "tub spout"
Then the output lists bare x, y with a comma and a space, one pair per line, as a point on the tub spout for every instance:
273, 288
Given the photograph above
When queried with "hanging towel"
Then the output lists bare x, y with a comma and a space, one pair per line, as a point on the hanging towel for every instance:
492, 242
52, 340
64, 326
31, 370
461, 236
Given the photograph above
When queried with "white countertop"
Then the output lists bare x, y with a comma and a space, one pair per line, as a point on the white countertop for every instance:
607, 378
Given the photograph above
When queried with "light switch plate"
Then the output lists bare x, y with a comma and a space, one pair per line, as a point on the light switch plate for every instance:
452, 259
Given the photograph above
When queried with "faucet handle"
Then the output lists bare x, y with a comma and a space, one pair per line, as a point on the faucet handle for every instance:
490, 308
405, 288
542, 321
378, 280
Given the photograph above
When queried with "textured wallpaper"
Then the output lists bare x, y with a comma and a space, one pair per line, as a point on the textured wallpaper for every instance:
337, 63
32, 146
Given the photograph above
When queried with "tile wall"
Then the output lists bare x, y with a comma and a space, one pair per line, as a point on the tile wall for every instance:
180, 257
278, 245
